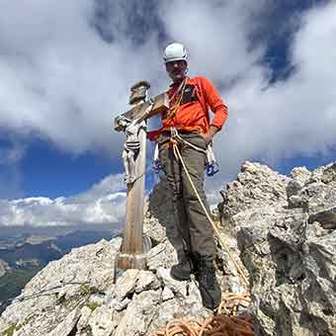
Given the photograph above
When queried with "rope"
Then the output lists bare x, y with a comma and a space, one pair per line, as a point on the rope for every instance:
218, 325
179, 156
177, 96
177, 136
231, 302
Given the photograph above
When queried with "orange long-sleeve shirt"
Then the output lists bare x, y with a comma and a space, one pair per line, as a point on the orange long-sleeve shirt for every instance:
192, 112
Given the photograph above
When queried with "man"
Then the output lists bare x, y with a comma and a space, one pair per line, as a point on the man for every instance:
192, 236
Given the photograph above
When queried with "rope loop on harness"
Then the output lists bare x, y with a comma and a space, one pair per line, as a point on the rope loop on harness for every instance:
212, 166
173, 142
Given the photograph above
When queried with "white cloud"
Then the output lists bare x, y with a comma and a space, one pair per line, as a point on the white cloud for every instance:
293, 116
61, 80
216, 34
104, 203
267, 121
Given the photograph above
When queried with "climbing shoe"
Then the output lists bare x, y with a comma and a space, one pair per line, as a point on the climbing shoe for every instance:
182, 270
208, 284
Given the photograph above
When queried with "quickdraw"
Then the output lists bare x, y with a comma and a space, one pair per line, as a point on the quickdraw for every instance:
212, 165
157, 165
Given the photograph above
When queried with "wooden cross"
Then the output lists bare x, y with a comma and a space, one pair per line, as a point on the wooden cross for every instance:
133, 124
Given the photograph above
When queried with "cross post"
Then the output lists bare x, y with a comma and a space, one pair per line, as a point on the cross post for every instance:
133, 124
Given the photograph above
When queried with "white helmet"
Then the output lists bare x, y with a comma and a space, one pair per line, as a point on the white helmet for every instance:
175, 52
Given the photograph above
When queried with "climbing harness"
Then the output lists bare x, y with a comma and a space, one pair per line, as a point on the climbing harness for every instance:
211, 167
175, 100
175, 135
157, 165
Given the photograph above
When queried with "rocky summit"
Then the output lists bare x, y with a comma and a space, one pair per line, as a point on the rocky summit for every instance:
280, 230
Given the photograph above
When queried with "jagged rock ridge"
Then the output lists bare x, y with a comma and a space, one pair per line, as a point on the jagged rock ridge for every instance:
286, 232
285, 229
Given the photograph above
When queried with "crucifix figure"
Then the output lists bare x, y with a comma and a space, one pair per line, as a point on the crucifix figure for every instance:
133, 125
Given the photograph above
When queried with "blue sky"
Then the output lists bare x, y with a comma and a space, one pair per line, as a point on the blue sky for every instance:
45, 170
66, 69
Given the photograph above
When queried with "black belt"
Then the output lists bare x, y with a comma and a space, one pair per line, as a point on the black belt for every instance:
167, 133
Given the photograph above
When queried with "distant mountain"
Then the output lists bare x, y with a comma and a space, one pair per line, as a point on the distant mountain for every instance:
80, 238
12, 283
23, 254
42, 253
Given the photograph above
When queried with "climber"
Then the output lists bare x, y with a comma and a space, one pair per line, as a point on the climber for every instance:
187, 122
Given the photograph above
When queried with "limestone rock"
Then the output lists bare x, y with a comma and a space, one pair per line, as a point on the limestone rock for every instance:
326, 218
255, 186
300, 174
4, 268
162, 255
76, 296
159, 212
282, 227
56, 295
289, 251
329, 174
314, 192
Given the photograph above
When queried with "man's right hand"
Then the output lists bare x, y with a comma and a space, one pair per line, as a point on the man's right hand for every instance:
208, 136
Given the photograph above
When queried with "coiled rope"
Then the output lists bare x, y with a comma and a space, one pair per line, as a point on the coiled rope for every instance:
216, 325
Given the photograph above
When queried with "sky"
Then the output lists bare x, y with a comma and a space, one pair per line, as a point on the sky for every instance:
66, 68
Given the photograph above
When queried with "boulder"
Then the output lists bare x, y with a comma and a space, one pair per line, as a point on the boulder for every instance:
159, 212
4, 268
256, 186
76, 296
288, 248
